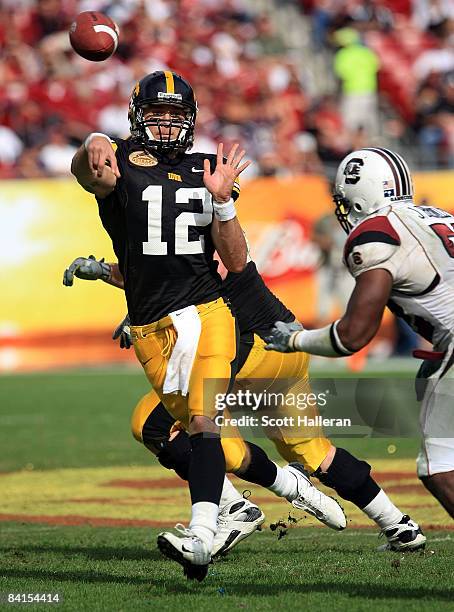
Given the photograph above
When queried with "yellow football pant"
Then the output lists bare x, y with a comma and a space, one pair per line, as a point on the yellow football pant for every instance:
310, 450
279, 369
210, 375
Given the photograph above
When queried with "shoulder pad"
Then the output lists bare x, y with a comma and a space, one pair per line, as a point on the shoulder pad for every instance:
370, 256
378, 229
371, 245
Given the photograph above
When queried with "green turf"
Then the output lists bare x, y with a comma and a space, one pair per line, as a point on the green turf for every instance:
81, 419
310, 569
77, 419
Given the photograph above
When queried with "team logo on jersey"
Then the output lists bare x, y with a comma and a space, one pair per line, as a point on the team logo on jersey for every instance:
352, 170
174, 177
142, 158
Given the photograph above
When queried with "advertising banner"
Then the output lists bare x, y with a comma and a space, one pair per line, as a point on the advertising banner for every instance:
45, 224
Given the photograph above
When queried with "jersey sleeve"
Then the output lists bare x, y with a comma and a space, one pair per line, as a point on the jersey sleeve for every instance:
373, 244
115, 196
119, 147
236, 189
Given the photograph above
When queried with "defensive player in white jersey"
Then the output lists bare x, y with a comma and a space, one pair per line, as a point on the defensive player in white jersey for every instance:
401, 256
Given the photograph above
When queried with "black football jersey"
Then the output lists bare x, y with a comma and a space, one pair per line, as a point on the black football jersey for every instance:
159, 219
255, 307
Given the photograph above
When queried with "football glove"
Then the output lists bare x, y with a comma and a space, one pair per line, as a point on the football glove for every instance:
123, 332
282, 337
87, 268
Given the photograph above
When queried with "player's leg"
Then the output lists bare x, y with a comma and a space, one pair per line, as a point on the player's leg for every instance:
154, 427
335, 467
291, 481
215, 352
263, 369
442, 488
435, 461
351, 479
210, 376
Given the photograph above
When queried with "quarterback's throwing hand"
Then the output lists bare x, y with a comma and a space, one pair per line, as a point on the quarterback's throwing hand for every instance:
220, 183
100, 153
87, 268
282, 337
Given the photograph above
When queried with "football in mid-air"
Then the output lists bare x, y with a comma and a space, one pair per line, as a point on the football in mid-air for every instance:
94, 36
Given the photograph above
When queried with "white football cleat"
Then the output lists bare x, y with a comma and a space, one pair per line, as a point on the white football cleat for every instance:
188, 550
406, 535
324, 508
236, 521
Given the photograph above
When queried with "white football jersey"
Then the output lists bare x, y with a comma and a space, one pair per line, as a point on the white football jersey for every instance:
416, 245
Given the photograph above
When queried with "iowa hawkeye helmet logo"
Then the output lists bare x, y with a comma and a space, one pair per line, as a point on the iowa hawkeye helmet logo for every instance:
142, 158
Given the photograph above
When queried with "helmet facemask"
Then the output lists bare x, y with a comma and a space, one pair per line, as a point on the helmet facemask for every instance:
342, 211
163, 143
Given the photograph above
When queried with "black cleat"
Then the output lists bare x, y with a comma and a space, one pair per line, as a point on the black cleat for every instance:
406, 535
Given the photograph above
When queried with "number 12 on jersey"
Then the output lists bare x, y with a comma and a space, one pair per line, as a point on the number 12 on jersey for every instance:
183, 246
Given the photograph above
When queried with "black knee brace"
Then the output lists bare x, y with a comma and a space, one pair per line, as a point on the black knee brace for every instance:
176, 454
156, 429
350, 478
261, 469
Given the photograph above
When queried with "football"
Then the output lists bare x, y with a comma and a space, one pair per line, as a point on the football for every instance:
94, 36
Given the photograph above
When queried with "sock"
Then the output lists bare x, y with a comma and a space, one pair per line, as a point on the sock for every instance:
261, 469
206, 468
205, 477
285, 484
383, 511
204, 521
229, 493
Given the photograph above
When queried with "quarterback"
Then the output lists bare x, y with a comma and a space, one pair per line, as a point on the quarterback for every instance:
166, 211
401, 256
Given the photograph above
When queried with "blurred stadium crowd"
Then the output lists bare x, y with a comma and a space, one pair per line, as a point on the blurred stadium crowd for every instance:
385, 76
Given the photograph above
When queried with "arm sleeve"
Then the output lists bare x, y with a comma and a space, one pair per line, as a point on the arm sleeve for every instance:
115, 195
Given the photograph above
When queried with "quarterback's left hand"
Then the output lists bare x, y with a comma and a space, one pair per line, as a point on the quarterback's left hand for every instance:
87, 268
282, 337
220, 183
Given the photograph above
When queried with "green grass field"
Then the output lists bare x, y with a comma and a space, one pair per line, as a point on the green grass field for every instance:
82, 503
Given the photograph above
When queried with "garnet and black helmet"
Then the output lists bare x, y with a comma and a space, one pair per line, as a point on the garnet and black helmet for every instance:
159, 88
